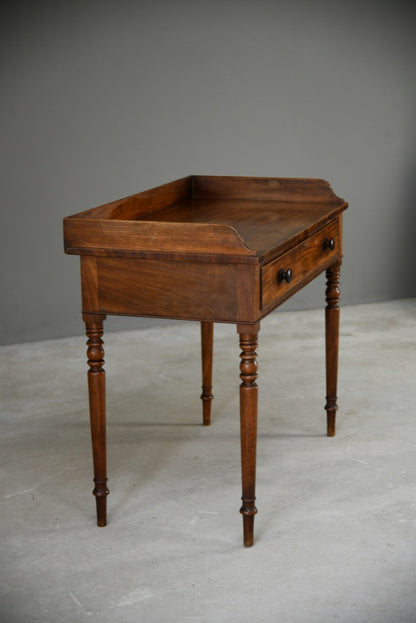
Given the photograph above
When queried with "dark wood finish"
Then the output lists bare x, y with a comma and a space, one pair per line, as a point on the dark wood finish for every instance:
96, 388
185, 290
211, 249
265, 217
279, 189
332, 313
304, 261
207, 343
248, 426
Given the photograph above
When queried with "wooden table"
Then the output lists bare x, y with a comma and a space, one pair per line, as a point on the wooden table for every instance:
211, 249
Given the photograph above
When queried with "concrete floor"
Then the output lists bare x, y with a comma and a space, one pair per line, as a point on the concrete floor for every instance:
335, 537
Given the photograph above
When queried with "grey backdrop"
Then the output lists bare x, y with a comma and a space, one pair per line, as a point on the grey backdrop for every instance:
103, 99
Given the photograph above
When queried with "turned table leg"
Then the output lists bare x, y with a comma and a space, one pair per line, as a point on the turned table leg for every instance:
207, 339
332, 313
96, 388
248, 425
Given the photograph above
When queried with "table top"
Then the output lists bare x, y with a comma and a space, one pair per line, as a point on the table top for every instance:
238, 219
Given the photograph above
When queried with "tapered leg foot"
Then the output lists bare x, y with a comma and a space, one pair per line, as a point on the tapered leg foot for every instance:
101, 492
332, 313
248, 426
207, 341
248, 529
96, 389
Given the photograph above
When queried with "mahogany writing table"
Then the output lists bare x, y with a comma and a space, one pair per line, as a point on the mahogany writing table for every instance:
211, 249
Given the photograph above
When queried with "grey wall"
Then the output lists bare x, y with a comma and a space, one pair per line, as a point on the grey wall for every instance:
103, 99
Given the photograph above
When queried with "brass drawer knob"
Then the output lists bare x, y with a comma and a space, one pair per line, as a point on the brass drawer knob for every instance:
329, 243
285, 275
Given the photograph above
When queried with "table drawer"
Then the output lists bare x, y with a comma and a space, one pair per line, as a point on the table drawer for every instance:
300, 264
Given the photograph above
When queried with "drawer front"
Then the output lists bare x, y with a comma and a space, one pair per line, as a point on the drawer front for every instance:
301, 264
